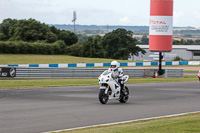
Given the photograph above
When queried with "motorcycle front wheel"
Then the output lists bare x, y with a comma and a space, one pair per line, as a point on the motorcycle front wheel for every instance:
103, 98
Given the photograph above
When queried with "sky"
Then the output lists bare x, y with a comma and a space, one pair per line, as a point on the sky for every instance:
97, 12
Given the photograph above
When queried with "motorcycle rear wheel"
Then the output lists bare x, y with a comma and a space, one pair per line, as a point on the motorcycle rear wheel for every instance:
124, 98
103, 98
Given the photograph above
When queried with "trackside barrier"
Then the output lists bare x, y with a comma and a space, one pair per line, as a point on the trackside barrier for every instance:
45, 73
80, 65
69, 72
174, 73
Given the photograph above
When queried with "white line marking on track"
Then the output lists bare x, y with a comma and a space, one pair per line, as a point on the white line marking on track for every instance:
123, 122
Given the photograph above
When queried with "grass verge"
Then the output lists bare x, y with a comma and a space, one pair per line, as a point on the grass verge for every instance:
180, 124
192, 71
33, 83
9, 59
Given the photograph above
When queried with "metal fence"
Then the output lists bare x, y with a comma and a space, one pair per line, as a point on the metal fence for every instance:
173, 73
69, 72
25, 73
31, 73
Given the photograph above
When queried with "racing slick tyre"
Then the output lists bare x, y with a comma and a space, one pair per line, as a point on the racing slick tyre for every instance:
124, 95
103, 98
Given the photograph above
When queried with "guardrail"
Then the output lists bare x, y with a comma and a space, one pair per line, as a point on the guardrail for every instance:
103, 64
69, 72
172, 73
44, 73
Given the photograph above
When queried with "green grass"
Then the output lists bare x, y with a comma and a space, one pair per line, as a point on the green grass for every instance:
49, 59
179, 124
192, 71
32, 83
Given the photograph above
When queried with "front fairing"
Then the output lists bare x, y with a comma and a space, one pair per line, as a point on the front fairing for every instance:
107, 82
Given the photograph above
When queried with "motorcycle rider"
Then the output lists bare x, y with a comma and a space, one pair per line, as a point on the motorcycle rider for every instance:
117, 73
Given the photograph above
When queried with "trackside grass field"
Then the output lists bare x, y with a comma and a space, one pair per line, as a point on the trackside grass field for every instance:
180, 124
33, 83
9, 59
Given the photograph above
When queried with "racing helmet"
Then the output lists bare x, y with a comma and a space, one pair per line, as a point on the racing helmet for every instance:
114, 65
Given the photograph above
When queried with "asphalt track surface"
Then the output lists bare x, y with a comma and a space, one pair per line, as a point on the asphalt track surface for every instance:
35, 110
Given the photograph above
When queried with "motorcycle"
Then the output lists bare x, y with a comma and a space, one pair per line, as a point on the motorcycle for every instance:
111, 89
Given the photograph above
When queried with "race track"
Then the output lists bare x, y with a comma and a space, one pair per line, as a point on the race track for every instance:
35, 110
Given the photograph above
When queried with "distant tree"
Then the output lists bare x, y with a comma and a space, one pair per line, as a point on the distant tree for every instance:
93, 47
197, 42
82, 38
3, 37
6, 26
182, 42
119, 44
68, 37
51, 37
55, 30
29, 30
189, 42
75, 50
145, 39
177, 58
176, 42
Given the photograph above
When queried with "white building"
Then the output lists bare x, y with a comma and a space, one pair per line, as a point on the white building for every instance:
186, 52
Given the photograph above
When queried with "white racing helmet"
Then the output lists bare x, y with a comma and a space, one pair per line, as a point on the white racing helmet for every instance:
114, 65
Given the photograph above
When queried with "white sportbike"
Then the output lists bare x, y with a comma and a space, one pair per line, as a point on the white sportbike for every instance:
111, 89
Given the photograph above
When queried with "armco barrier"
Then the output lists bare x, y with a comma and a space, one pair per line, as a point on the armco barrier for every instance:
43, 73
80, 65
69, 72
174, 73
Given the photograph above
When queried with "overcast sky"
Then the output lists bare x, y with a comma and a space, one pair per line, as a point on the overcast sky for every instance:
97, 12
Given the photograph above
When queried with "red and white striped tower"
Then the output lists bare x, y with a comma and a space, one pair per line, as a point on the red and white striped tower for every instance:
161, 26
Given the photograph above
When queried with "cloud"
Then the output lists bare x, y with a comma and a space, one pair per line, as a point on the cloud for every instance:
125, 20
186, 18
178, 18
111, 12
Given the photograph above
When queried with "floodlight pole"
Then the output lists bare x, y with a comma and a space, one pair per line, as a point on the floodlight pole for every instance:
160, 63
74, 26
74, 20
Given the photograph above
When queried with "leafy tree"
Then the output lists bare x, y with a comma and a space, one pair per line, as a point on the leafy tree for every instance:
197, 42
190, 42
68, 37
176, 42
75, 50
50, 37
177, 58
82, 37
29, 30
2, 37
145, 39
119, 44
55, 30
6, 25
62, 49
93, 47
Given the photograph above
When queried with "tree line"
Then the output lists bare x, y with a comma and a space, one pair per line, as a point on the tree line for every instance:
31, 30
186, 42
32, 37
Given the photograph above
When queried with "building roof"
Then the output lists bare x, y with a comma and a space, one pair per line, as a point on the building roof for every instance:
187, 47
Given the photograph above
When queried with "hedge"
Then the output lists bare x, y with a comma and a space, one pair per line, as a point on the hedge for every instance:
20, 47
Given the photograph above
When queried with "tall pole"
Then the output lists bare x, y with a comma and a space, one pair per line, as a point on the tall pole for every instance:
74, 26
74, 20
107, 28
160, 63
